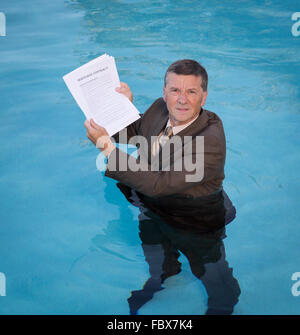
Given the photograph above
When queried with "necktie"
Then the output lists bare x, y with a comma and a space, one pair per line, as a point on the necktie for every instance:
161, 140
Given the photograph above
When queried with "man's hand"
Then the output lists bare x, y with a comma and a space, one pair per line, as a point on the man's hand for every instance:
125, 89
99, 136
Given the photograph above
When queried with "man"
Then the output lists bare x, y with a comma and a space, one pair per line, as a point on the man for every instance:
168, 192
179, 212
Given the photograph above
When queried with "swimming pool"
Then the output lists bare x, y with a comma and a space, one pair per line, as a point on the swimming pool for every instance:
69, 241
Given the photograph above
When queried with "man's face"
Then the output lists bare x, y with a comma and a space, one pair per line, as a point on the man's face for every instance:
184, 97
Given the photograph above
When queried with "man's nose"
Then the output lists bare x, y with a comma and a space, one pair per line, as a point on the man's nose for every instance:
182, 98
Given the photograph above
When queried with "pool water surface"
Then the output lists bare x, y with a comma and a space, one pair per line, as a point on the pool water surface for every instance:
69, 240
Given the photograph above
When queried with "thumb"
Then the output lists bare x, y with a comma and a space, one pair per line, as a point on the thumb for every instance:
94, 124
87, 124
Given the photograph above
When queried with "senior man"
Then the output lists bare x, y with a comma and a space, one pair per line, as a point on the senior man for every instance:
169, 192
179, 212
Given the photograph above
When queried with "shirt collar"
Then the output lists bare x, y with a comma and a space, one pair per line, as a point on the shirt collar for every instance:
177, 129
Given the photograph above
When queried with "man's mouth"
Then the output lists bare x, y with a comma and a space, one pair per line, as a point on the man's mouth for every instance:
182, 110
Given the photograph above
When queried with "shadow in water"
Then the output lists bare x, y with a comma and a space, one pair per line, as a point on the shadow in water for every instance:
163, 236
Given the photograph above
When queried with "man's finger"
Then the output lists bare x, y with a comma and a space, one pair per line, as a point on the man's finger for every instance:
124, 85
94, 124
88, 135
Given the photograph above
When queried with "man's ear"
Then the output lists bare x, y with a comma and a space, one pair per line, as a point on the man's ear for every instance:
204, 99
164, 93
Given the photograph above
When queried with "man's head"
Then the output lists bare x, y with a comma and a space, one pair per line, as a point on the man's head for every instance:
185, 90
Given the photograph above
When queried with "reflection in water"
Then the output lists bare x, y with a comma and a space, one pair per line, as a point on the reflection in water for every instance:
162, 241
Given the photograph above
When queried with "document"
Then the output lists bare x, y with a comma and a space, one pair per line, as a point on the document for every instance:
92, 85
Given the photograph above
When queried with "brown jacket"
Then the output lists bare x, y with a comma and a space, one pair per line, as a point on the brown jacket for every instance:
157, 184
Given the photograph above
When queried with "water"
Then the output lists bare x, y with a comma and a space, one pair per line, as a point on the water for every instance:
69, 241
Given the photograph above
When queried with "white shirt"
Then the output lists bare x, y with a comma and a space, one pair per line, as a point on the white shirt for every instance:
177, 129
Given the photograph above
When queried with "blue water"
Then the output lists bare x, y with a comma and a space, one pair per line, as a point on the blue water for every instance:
69, 241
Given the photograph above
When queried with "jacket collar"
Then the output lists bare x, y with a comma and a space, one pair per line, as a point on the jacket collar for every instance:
193, 129
197, 126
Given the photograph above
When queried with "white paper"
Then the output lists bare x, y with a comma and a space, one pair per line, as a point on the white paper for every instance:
93, 88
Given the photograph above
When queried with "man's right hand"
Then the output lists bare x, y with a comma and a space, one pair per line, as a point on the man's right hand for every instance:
125, 89
99, 136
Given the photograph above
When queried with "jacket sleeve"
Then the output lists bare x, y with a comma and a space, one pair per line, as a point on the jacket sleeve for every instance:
134, 128
209, 165
127, 133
